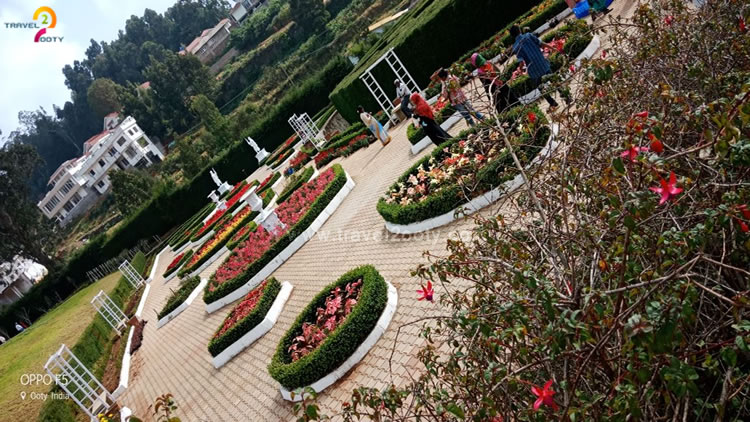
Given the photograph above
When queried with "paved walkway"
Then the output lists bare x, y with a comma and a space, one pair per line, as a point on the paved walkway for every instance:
174, 359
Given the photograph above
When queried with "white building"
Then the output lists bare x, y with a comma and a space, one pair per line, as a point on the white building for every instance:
17, 278
78, 183
244, 8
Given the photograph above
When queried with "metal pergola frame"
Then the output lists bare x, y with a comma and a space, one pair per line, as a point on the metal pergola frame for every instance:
402, 74
109, 311
130, 274
307, 130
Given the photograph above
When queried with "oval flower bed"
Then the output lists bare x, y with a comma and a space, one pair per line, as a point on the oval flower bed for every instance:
202, 258
249, 320
254, 260
427, 195
180, 299
334, 332
176, 264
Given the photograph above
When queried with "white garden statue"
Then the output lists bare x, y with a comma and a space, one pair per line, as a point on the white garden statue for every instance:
223, 186
260, 154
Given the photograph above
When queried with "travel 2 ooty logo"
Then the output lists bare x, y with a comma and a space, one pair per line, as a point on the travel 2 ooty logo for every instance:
44, 19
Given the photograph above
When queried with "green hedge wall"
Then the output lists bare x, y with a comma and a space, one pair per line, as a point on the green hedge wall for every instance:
430, 35
242, 327
315, 209
179, 296
340, 344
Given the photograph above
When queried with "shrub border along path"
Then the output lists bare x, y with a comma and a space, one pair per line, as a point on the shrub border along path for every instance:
194, 289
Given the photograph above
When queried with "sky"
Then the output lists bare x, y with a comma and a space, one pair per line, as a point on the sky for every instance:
31, 73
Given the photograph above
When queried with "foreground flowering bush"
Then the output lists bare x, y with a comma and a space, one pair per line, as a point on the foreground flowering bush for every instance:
297, 213
330, 328
245, 316
463, 169
592, 296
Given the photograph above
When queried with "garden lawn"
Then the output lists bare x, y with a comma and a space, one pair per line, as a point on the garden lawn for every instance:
29, 351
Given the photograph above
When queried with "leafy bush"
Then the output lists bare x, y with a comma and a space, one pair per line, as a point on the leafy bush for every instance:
245, 325
179, 296
296, 180
342, 342
317, 207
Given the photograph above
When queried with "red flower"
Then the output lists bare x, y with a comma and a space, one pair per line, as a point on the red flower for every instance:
604, 53
572, 68
745, 211
742, 24
426, 292
544, 396
668, 190
632, 152
668, 20
642, 115
532, 117
656, 144
743, 227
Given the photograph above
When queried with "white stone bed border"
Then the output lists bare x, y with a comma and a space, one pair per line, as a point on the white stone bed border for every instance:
279, 259
477, 203
216, 255
358, 355
152, 274
184, 305
174, 273
125, 368
258, 331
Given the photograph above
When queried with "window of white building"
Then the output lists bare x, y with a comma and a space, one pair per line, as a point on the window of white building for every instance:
66, 187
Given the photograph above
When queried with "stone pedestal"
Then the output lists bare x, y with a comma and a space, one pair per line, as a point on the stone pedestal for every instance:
253, 200
270, 222
262, 155
224, 188
213, 196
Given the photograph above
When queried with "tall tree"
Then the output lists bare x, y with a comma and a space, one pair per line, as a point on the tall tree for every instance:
310, 14
131, 189
102, 97
213, 120
24, 230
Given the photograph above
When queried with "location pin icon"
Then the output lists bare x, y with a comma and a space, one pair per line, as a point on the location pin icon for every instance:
23, 395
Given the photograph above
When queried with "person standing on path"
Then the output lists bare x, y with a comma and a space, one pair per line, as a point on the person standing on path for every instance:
374, 125
423, 111
498, 91
403, 92
452, 92
528, 47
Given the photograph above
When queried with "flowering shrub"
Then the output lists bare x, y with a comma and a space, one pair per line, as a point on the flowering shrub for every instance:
219, 239
241, 234
592, 297
338, 305
297, 213
177, 262
463, 169
245, 316
298, 161
302, 365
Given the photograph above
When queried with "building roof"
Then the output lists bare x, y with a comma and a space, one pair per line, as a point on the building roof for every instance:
145, 85
93, 140
206, 35
61, 167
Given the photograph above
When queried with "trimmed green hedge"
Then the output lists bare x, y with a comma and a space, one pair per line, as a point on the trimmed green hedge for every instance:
217, 247
342, 342
416, 134
270, 183
268, 195
243, 326
316, 208
179, 233
298, 180
496, 172
355, 127
179, 296
183, 260
430, 35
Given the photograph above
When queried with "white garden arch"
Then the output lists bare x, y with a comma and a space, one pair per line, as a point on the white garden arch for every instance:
306, 129
402, 74
75, 379
109, 311
130, 274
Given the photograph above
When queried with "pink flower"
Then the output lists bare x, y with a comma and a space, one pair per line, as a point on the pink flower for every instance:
426, 292
668, 20
572, 68
544, 396
632, 152
668, 190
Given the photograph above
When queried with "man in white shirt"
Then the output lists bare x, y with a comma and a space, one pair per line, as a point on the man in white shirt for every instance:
403, 92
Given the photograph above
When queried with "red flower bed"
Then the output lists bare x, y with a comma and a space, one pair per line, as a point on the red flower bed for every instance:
298, 160
260, 241
242, 309
236, 187
351, 143
175, 262
322, 155
338, 306
220, 213
290, 141
265, 182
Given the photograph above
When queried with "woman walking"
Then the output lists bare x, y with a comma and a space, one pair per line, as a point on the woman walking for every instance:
423, 111
498, 91
374, 125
